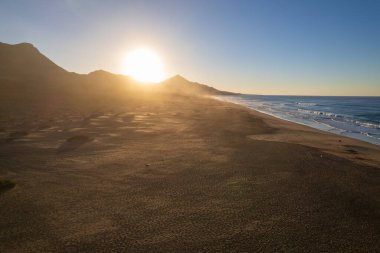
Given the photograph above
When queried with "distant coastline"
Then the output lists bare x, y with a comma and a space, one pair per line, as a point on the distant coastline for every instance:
351, 116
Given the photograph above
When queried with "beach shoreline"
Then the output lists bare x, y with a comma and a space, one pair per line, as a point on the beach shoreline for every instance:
353, 117
298, 133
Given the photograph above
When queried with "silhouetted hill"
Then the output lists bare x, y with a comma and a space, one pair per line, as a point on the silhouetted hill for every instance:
31, 81
179, 84
25, 61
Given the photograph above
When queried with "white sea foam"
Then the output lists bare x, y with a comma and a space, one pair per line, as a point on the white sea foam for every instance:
306, 104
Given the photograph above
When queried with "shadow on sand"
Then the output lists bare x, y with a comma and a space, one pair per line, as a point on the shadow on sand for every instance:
6, 185
73, 143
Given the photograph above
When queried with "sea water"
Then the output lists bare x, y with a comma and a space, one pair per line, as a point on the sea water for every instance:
356, 117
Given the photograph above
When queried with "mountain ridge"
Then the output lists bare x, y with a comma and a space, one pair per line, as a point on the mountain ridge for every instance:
29, 79
179, 83
24, 61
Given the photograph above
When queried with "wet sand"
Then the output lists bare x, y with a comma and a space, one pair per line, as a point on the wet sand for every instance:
184, 174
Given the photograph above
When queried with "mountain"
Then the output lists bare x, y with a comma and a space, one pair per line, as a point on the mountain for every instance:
179, 84
30, 79
25, 61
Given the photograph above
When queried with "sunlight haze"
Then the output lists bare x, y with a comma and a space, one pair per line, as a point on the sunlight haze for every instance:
144, 65
261, 47
189, 126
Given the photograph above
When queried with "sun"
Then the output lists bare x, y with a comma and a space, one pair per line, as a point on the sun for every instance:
144, 65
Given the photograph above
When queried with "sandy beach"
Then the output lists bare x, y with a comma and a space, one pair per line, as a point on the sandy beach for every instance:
189, 126
184, 174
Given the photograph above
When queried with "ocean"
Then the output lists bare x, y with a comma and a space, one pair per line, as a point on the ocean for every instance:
355, 117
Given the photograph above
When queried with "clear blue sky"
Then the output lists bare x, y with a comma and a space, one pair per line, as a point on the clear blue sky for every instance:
312, 47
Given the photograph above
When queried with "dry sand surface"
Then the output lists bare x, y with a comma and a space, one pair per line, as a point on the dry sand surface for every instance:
184, 175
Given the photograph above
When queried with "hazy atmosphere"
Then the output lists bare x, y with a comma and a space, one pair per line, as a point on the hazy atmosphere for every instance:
189, 126
256, 47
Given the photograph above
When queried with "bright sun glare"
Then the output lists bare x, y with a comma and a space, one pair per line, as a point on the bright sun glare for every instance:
144, 65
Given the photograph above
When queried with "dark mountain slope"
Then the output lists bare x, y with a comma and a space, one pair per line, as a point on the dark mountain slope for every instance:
25, 61
179, 84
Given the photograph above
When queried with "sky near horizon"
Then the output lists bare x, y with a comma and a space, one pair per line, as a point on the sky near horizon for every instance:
294, 47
